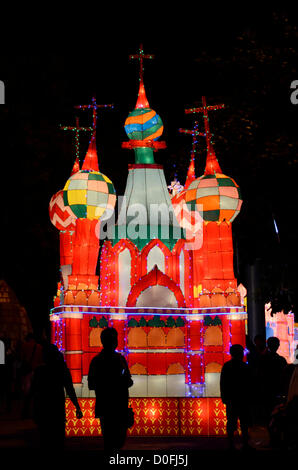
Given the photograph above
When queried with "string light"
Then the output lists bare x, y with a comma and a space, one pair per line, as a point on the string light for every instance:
204, 109
77, 129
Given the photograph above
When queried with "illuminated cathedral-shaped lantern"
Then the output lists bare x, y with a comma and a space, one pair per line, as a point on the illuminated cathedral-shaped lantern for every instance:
163, 275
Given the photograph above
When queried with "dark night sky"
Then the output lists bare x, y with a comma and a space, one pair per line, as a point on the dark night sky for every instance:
247, 62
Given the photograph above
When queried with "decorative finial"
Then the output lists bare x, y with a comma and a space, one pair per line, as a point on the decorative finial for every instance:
77, 129
91, 159
94, 106
141, 56
143, 125
212, 165
191, 169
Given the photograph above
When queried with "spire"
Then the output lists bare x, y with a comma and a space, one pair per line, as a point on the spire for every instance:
142, 101
191, 169
76, 166
91, 159
191, 173
212, 165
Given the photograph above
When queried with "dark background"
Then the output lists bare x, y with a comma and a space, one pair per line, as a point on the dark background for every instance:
246, 60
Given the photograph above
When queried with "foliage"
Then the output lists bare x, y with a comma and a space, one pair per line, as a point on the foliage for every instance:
101, 323
156, 322
209, 321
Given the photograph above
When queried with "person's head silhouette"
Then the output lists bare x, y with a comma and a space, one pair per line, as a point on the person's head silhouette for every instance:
237, 352
273, 344
109, 339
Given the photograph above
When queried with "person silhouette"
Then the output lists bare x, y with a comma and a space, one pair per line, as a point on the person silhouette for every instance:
274, 375
31, 356
109, 376
235, 383
291, 428
256, 359
49, 381
283, 426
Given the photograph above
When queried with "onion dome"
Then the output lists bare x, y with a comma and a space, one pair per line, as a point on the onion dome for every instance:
214, 195
143, 127
61, 216
143, 123
88, 192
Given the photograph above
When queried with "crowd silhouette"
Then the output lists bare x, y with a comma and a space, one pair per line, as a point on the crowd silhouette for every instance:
263, 391
258, 388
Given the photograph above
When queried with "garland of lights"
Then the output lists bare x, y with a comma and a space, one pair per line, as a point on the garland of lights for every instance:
77, 129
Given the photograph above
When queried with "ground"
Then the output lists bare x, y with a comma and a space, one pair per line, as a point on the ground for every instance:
18, 435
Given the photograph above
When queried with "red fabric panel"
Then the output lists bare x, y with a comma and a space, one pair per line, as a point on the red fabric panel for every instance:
214, 357
227, 263
119, 326
226, 240
66, 255
212, 237
157, 363
195, 332
196, 368
137, 358
175, 358
157, 417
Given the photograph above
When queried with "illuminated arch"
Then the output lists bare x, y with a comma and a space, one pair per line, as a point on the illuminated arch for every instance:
175, 338
81, 298
138, 369
137, 338
94, 337
93, 298
156, 337
213, 367
166, 252
213, 336
134, 253
188, 270
154, 278
175, 368
69, 298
